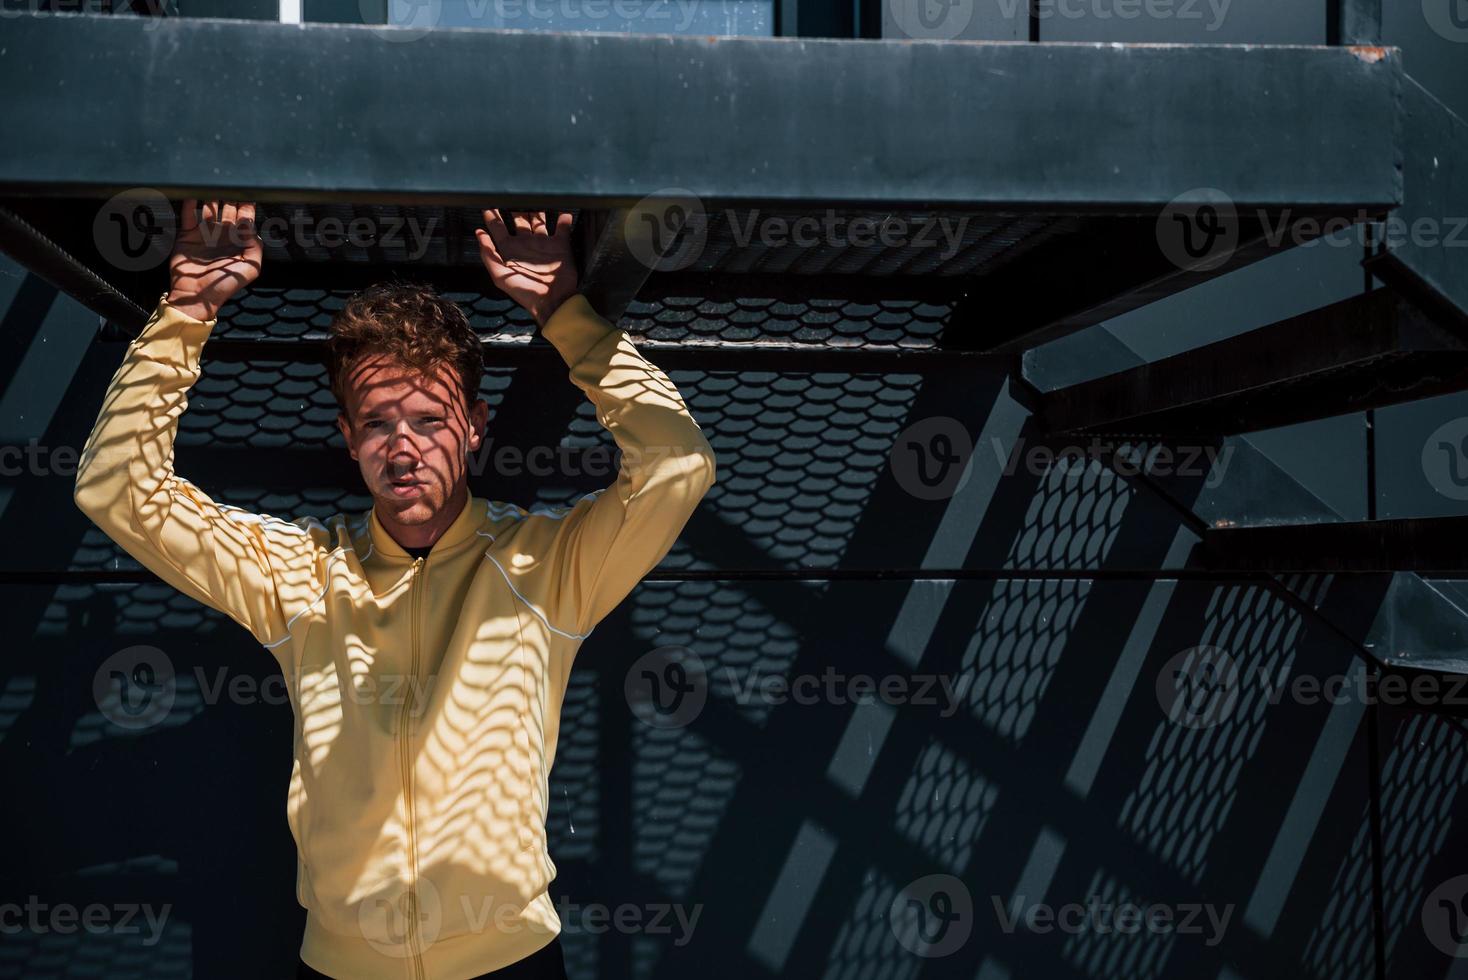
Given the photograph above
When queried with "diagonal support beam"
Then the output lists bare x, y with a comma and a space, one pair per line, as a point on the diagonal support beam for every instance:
1430, 544
1364, 352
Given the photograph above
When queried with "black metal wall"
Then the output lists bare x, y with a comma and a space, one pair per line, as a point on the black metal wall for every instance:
1053, 597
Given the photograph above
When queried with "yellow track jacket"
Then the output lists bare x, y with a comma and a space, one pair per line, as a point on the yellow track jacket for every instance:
427, 692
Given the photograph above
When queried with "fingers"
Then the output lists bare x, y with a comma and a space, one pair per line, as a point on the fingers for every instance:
245, 219
531, 222
189, 215
494, 230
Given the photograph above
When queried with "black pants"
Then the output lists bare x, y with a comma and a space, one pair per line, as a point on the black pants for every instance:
546, 963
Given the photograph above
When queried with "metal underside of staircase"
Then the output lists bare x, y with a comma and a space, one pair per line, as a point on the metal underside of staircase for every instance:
953, 183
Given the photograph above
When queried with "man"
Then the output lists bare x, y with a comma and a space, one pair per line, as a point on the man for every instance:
426, 643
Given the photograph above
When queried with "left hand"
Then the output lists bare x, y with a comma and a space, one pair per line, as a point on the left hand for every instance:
534, 266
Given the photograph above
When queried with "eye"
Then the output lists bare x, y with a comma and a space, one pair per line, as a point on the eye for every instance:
374, 423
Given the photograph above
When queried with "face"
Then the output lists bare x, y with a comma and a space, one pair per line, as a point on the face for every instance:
411, 436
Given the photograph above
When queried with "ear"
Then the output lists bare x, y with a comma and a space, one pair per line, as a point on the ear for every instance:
345, 428
478, 420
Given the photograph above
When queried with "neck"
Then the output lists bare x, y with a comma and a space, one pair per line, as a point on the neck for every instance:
426, 534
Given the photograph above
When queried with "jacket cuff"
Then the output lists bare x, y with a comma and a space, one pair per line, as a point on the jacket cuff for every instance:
171, 334
575, 328
168, 310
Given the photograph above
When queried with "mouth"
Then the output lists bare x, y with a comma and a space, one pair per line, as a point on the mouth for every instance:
406, 488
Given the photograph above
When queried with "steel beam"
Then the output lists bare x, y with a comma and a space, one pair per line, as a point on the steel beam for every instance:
53, 263
1364, 352
1111, 266
1425, 251
1353, 22
1433, 544
338, 112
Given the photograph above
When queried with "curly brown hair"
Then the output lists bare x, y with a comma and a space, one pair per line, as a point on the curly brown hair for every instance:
412, 324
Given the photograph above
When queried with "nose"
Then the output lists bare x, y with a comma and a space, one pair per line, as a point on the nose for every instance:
402, 450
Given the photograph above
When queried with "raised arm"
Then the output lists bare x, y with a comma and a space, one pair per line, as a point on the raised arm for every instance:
599, 549
248, 566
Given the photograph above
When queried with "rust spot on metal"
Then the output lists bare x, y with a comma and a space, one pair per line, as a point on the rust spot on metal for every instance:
1369, 55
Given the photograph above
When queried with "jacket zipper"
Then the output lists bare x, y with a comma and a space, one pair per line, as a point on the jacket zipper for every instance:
406, 765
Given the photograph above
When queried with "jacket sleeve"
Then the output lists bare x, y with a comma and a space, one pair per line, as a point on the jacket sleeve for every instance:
603, 546
248, 566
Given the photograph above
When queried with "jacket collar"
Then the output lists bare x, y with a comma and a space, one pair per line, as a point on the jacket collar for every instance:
460, 530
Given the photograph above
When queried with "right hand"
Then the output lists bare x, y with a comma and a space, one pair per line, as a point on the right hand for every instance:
216, 255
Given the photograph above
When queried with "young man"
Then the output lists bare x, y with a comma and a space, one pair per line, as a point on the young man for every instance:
425, 643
